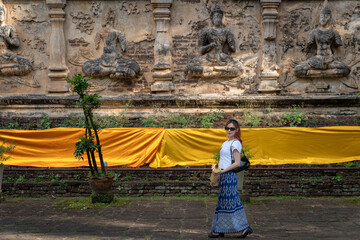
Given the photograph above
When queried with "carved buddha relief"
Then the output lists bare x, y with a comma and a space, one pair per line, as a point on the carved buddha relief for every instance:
215, 46
112, 63
325, 40
10, 63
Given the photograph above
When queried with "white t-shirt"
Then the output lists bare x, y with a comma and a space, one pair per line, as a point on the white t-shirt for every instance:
225, 155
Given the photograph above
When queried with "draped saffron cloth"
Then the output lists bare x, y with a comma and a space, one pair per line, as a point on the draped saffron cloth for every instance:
131, 147
160, 147
268, 146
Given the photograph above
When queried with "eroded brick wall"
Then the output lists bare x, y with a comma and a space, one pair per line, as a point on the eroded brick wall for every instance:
259, 181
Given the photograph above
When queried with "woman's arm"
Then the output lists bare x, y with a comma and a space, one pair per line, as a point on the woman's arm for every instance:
235, 164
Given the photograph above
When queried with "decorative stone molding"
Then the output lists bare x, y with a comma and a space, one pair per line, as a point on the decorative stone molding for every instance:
269, 70
58, 70
269, 15
162, 74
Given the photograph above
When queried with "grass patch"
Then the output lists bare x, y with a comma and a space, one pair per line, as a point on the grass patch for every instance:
85, 203
274, 198
355, 163
253, 201
80, 203
355, 200
261, 200
178, 197
10, 199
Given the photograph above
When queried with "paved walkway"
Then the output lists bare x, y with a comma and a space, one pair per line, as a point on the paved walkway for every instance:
172, 219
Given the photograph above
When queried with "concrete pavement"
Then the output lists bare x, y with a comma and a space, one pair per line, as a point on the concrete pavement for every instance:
172, 218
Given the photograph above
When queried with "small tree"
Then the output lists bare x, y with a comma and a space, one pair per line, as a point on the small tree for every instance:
4, 150
88, 102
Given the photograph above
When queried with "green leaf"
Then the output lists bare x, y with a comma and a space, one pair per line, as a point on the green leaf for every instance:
4, 150
84, 145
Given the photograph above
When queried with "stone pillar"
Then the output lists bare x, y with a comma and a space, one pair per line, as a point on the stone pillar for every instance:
162, 74
269, 69
58, 70
244, 196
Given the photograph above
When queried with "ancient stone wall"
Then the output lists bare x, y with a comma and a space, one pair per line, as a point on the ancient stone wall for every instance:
179, 47
310, 181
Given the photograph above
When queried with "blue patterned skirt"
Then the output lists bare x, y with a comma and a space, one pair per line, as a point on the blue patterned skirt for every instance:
229, 214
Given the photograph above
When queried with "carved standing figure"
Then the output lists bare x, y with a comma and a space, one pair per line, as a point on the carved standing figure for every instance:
10, 63
215, 45
111, 63
325, 40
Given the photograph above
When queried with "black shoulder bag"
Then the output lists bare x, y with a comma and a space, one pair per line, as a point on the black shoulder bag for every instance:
244, 161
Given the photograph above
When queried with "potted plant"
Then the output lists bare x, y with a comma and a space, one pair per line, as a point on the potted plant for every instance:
100, 181
4, 155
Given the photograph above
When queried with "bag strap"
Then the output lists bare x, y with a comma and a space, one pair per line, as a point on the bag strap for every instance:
231, 153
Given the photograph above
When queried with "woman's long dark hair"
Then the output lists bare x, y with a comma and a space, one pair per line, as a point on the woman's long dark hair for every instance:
237, 131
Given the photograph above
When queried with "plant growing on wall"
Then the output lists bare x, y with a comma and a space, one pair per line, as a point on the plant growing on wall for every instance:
294, 117
4, 151
88, 102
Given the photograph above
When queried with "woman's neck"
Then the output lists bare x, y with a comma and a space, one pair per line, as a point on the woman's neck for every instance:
231, 138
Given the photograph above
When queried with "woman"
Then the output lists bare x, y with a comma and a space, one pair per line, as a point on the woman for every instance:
229, 214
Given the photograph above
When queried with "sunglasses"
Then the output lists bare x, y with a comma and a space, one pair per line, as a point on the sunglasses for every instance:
231, 129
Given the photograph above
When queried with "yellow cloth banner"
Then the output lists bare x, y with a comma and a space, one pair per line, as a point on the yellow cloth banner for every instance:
269, 146
132, 147
188, 147
135, 147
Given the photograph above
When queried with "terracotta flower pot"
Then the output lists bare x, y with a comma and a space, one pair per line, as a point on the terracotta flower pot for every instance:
101, 184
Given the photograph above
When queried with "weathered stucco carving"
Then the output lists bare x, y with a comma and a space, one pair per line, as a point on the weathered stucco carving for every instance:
82, 52
263, 48
37, 43
10, 63
28, 16
318, 60
215, 46
323, 64
95, 8
111, 63
84, 22
250, 39
352, 47
109, 19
